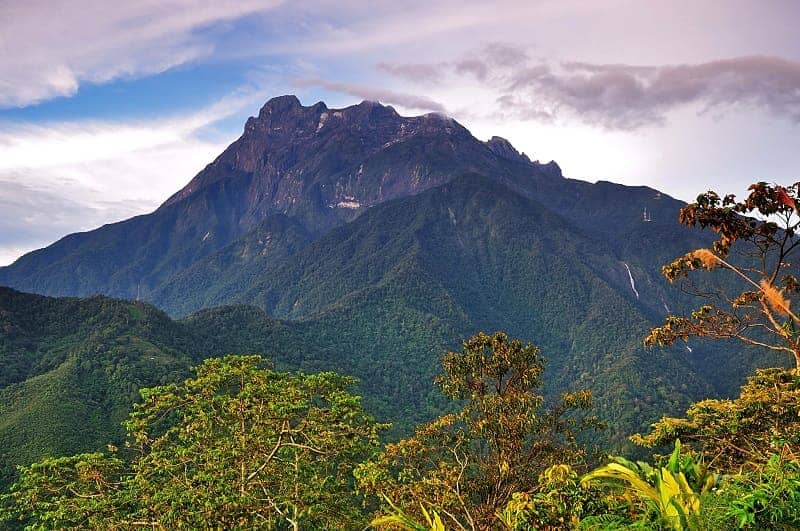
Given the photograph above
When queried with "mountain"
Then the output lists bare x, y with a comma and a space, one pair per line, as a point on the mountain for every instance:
374, 243
296, 173
319, 167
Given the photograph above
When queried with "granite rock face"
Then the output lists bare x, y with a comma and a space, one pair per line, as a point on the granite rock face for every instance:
327, 164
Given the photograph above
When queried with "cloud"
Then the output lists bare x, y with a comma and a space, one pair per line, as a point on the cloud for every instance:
616, 96
619, 96
387, 96
34, 216
478, 63
503, 54
347, 27
418, 72
50, 47
59, 178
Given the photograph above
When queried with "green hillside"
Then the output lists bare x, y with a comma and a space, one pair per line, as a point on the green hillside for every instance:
381, 298
70, 369
394, 289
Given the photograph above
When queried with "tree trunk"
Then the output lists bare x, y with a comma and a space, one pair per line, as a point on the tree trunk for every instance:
797, 359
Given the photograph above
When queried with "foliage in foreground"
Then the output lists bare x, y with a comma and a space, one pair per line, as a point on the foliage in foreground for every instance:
467, 465
682, 494
760, 253
239, 447
741, 432
671, 493
678, 493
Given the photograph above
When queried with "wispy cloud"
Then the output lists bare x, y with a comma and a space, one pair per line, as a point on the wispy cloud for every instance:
58, 178
416, 72
616, 96
622, 96
409, 101
346, 27
48, 48
34, 216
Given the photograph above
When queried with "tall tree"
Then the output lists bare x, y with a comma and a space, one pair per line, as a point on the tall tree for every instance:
743, 431
465, 466
239, 446
758, 243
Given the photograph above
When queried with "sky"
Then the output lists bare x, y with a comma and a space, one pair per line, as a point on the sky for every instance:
107, 108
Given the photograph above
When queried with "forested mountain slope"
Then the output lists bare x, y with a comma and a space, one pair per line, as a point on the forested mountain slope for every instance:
70, 369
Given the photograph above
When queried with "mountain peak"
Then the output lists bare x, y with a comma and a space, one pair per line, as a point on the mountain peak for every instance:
280, 104
290, 102
503, 148
371, 110
552, 169
369, 103
293, 158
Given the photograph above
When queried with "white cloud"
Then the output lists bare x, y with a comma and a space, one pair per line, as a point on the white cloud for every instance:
385, 96
60, 178
49, 47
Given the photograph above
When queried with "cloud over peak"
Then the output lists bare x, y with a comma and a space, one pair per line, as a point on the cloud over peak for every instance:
390, 97
617, 96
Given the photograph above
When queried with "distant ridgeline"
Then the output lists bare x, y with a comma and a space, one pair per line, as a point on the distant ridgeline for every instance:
374, 243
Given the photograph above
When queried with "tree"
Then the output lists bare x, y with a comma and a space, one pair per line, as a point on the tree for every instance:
742, 432
760, 252
465, 466
84, 491
238, 446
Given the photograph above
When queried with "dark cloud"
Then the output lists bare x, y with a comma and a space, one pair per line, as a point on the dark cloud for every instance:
376, 94
621, 96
